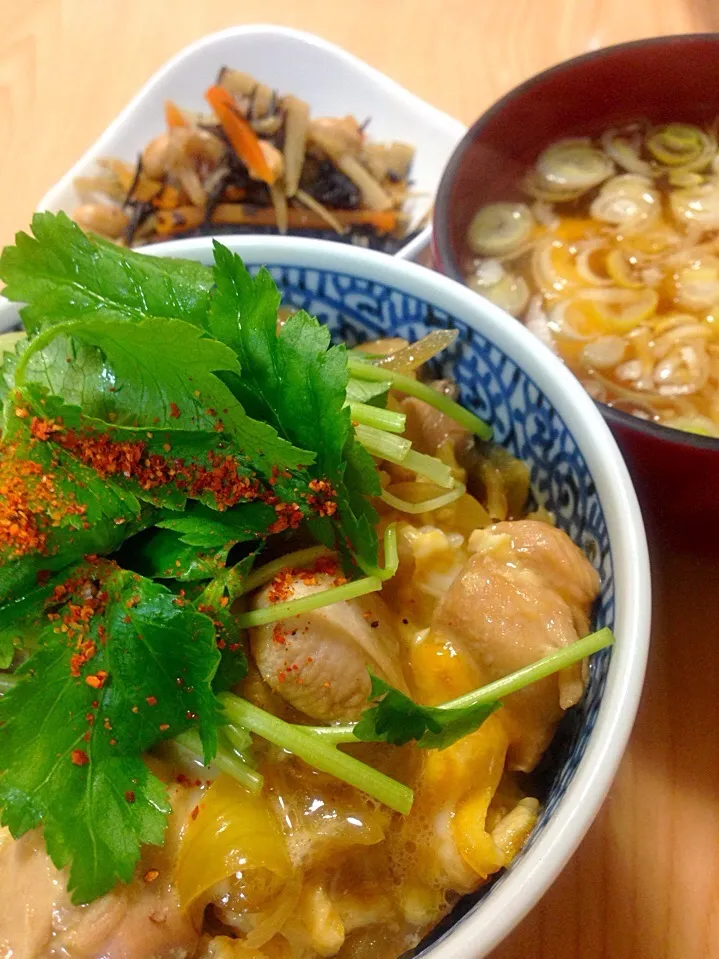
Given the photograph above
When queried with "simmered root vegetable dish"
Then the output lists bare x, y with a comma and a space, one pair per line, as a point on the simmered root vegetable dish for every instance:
613, 261
257, 161
277, 647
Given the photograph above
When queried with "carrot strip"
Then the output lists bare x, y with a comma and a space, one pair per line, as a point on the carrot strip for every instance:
174, 117
168, 199
242, 137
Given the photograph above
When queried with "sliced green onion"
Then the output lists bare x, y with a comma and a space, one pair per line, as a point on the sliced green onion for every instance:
363, 370
297, 560
317, 753
386, 446
429, 466
294, 607
427, 505
226, 760
381, 419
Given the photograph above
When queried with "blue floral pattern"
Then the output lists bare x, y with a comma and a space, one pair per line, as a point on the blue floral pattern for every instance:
526, 423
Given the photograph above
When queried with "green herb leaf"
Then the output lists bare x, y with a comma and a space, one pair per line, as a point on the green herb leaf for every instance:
295, 380
72, 731
398, 720
71, 511
200, 526
161, 554
63, 274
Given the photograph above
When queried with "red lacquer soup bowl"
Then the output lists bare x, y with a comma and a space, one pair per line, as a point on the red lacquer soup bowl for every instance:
668, 79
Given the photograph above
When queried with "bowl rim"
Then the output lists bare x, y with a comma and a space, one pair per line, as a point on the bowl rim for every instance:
442, 249
391, 88
483, 927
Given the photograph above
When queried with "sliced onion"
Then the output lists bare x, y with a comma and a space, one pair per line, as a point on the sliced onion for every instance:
697, 205
535, 186
621, 310
573, 164
426, 506
510, 294
583, 266
410, 357
604, 353
679, 145
545, 274
620, 270
500, 228
683, 372
685, 178
628, 201
623, 147
697, 286
562, 326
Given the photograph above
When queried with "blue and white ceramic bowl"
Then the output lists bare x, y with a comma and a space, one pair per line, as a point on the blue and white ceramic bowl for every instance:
542, 415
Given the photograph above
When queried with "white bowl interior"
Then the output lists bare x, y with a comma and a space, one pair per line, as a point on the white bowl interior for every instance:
331, 80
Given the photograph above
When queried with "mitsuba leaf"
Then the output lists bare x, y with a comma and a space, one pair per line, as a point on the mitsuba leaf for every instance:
63, 274
132, 666
398, 720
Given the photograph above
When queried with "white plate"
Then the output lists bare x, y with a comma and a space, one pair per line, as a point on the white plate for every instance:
332, 81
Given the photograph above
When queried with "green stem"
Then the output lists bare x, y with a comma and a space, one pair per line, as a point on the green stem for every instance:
384, 445
553, 663
317, 753
363, 370
391, 557
377, 417
227, 760
296, 560
294, 607
430, 467
7, 682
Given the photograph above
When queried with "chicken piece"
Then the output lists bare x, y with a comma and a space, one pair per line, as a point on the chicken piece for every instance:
318, 661
550, 554
429, 429
139, 921
525, 593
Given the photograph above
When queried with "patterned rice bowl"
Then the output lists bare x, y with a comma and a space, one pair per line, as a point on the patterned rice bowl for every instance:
542, 415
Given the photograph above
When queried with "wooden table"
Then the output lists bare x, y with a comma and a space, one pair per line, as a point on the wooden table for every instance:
645, 882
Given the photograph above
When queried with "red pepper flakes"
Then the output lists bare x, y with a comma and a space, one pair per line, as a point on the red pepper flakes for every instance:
278, 635
87, 650
130, 796
281, 587
30, 504
195, 813
151, 875
89, 718
43, 429
323, 502
151, 700
289, 516
175, 411
79, 757
164, 727
21, 413
189, 715
97, 680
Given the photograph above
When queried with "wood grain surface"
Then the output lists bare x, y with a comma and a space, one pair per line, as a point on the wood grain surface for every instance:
645, 882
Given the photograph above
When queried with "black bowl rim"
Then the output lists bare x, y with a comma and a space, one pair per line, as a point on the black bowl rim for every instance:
440, 233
